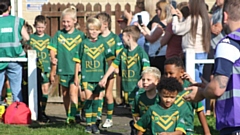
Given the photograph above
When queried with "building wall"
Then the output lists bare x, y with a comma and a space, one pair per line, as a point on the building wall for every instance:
29, 15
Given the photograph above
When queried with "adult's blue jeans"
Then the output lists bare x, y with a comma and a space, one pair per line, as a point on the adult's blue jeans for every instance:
14, 74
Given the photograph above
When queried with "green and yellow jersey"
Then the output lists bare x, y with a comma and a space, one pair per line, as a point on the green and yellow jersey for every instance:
114, 43
40, 45
131, 65
188, 107
93, 57
66, 45
158, 120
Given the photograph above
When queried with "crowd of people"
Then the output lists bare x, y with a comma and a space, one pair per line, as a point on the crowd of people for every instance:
147, 58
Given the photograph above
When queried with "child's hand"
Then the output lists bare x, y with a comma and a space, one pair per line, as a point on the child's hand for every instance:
103, 82
164, 133
140, 84
188, 77
52, 78
116, 70
54, 61
76, 81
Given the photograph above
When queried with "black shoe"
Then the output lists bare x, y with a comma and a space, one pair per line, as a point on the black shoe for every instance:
82, 116
133, 129
95, 129
44, 118
77, 118
122, 105
88, 129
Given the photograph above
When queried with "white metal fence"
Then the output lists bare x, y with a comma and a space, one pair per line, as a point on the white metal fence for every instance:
32, 80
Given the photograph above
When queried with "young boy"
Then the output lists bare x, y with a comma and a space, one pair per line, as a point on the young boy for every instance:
39, 41
131, 61
92, 56
165, 117
174, 67
142, 101
115, 44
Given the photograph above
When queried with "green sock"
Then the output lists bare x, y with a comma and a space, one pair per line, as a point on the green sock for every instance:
88, 111
73, 109
9, 96
95, 111
110, 110
100, 106
44, 102
2, 98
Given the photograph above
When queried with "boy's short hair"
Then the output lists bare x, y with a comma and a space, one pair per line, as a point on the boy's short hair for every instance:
133, 31
106, 18
93, 22
170, 84
152, 70
175, 61
232, 8
40, 19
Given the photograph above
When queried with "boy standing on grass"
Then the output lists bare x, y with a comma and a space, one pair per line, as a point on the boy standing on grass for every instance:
150, 80
165, 117
39, 41
174, 68
131, 61
91, 59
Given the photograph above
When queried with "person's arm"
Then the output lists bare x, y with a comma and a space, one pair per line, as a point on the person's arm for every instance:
181, 28
203, 122
154, 36
216, 28
25, 34
135, 109
143, 122
225, 56
53, 66
167, 36
129, 17
76, 79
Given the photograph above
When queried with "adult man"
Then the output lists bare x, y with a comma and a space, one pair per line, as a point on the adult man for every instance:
225, 85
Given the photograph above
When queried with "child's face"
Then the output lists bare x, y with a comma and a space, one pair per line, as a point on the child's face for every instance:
167, 98
40, 28
171, 70
149, 82
122, 24
104, 25
93, 32
126, 39
68, 22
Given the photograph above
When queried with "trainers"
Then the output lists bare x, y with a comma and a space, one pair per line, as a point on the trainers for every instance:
82, 116
99, 121
88, 129
45, 118
95, 129
77, 118
108, 123
71, 120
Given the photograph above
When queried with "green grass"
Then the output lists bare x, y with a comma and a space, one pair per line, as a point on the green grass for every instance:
211, 124
63, 129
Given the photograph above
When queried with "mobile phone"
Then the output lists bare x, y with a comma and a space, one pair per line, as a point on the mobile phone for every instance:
140, 19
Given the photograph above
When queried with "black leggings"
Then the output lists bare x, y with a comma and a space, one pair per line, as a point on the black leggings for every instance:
158, 62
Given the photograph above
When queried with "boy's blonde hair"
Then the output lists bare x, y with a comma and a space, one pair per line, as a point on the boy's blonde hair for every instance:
153, 71
93, 23
105, 17
70, 11
133, 31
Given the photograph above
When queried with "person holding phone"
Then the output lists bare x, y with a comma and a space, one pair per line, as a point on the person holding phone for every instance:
140, 10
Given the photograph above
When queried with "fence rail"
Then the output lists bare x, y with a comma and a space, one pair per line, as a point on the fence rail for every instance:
32, 80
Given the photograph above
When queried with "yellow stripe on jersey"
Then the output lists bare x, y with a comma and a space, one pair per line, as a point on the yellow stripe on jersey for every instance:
52, 48
94, 52
114, 65
135, 114
111, 42
110, 58
39, 44
118, 51
199, 109
77, 60
69, 43
167, 122
181, 129
139, 128
132, 60
179, 102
